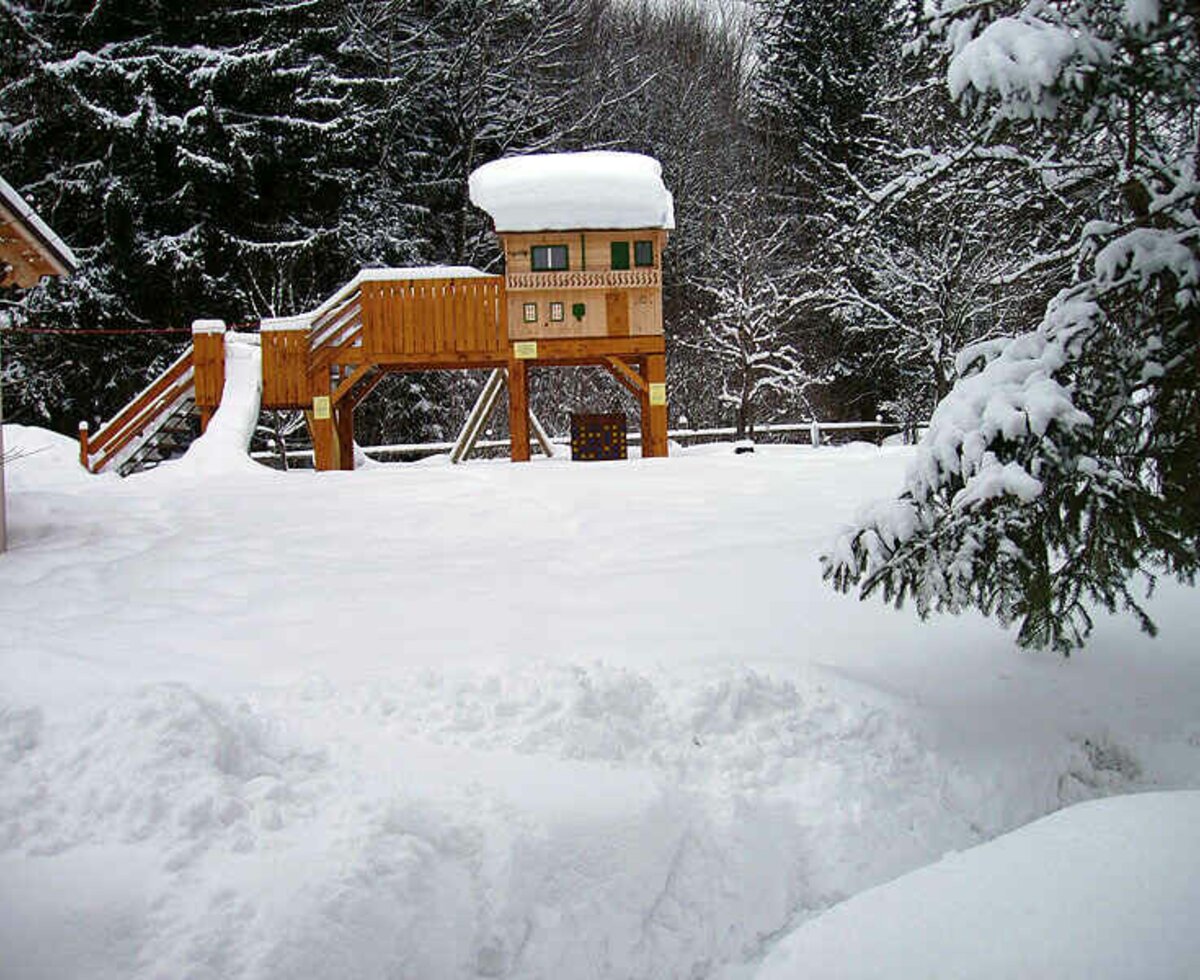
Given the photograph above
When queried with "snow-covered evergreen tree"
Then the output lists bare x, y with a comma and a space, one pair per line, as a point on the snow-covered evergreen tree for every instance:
1063, 465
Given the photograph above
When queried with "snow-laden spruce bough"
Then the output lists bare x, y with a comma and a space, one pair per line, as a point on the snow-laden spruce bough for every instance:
1062, 468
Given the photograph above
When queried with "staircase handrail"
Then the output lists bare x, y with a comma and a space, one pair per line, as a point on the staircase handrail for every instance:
134, 416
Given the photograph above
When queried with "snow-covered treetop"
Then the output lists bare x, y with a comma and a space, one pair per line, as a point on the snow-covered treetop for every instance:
560, 191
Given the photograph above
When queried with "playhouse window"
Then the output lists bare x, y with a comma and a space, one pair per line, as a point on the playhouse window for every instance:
643, 253
557, 313
530, 313
620, 255
548, 258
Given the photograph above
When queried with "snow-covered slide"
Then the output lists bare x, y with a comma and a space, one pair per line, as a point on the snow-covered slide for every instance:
225, 444
218, 378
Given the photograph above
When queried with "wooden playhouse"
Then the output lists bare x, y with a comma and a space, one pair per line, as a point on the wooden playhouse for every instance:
582, 235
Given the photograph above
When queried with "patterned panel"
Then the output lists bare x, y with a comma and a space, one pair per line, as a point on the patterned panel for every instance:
633, 279
596, 437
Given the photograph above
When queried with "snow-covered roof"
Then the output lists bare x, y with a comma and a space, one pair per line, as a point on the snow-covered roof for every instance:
17, 206
598, 189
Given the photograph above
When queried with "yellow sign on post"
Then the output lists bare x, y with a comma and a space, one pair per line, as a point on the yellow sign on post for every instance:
321, 407
658, 392
525, 350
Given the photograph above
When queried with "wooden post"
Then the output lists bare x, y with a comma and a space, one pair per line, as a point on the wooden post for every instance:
344, 427
83, 446
208, 367
322, 426
518, 410
480, 412
654, 406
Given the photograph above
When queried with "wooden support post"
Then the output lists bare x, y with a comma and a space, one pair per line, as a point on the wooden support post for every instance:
540, 434
518, 410
83, 446
477, 418
208, 367
654, 406
343, 417
322, 426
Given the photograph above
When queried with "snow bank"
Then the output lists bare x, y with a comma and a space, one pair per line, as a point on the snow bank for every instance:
437, 721
558, 191
41, 459
1105, 890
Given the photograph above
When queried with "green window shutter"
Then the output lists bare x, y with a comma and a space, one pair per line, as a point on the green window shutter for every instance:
620, 255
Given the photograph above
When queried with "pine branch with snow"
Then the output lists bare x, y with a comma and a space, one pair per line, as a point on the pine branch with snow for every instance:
1061, 467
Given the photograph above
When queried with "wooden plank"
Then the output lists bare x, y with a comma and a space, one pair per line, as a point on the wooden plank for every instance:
466, 296
626, 375
597, 348
359, 394
443, 311
355, 376
420, 319
480, 324
408, 337
480, 320
393, 313
298, 386
429, 321
369, 301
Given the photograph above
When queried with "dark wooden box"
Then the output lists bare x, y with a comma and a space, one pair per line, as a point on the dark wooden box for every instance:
598, 436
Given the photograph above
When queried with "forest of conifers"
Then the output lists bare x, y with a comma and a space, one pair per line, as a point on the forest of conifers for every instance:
240, 160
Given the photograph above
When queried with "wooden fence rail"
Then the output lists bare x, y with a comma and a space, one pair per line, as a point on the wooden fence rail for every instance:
417, 450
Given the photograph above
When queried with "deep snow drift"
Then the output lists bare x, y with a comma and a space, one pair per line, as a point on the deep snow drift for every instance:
1107, 888
551, 720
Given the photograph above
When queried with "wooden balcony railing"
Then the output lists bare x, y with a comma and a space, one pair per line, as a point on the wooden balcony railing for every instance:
581, 279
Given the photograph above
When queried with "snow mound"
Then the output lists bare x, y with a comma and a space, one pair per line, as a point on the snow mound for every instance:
39, 459
557, 191
1103, 890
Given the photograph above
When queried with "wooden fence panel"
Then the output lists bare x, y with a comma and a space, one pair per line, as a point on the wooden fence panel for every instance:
285, 368
431, 317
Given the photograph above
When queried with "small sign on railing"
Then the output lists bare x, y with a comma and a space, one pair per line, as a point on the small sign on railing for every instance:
321, 407
658, 392
525, 350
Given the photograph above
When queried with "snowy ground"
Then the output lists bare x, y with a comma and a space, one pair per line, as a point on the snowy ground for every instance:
549, 720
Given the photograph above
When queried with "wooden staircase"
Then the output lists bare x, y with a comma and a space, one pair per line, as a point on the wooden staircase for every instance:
161, 422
